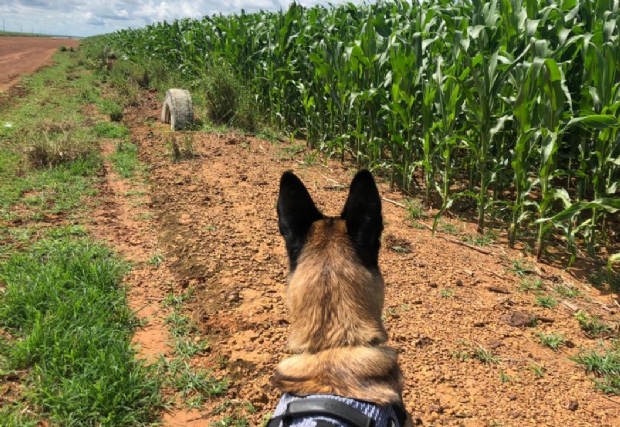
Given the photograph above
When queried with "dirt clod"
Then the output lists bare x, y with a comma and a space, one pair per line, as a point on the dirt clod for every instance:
518, 319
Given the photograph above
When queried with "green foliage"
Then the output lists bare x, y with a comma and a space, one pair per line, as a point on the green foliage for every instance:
553, 341
64, 303
228, 101
604, 363
510, 104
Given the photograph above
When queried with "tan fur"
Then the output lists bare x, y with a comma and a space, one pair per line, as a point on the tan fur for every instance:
335, 306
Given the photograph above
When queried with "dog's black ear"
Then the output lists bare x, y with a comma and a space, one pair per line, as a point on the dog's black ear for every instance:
296, 213
362, 213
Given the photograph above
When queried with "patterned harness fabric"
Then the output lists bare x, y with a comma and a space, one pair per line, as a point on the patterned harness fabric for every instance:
383, 416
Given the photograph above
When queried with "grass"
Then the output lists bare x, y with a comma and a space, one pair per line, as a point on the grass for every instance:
125, 160
48, 165
485, 239
64, 305
567, 291
195, 386
553, 341
520, 267
604, 364
535, 285
537, 370
111, 130
591, 325
65, 326
545, 301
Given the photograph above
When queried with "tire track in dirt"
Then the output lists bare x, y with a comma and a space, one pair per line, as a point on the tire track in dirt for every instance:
121, 220
215, 223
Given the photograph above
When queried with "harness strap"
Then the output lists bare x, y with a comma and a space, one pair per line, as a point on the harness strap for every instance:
325, 407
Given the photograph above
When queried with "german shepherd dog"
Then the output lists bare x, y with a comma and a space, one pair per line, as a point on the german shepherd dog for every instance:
341, 374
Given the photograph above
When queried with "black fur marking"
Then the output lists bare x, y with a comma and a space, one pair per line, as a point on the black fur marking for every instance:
362, 212
296, 213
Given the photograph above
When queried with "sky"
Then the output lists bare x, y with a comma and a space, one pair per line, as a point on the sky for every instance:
90, 17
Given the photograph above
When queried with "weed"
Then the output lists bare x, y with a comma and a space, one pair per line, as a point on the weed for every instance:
461, 356
553, 341
289, 152
177, 301
591, 325
231, 421
447, 293
311, 158
531, 285
156, 260
447, 227
228, 100
144, 216
546, 301
111, 130
504, 377
567, 291
485, 239
112, 108
538, 370
604, 363
477, 352
52, 149
190, 382
415, 209
485, 356
63, 298
125, 160
520, 267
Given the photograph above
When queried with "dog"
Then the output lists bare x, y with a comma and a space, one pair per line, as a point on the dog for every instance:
340, 373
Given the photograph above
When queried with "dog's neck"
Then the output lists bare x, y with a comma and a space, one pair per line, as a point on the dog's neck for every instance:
333, 300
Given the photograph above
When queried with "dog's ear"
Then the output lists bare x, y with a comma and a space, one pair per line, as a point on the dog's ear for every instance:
296, 213
362, 213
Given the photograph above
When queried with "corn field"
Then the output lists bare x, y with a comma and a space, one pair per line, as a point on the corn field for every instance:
509, 104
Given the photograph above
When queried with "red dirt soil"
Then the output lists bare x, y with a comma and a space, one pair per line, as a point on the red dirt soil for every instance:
214, 221
25, 55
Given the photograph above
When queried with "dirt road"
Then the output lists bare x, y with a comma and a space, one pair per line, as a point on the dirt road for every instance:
24, 55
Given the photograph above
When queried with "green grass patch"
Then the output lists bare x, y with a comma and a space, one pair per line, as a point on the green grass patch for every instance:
111, 108
591, 325
125, 160
553, 341
64, 304
194, 385
604, 364
49, 156
546, 301
111, 130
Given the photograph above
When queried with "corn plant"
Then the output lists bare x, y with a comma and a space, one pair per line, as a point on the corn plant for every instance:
513, 104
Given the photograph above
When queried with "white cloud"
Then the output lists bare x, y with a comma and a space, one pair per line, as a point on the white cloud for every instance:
89, 17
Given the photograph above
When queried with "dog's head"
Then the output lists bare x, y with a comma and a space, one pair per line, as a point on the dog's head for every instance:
335, 291
361, 216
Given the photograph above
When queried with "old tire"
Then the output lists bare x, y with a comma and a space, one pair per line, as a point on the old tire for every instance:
177, 109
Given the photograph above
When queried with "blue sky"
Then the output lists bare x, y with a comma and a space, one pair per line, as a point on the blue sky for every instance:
90, 17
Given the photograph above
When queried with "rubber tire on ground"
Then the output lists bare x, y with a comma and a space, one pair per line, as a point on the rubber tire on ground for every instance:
177, 109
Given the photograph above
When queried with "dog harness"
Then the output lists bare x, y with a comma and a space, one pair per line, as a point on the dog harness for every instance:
333, 411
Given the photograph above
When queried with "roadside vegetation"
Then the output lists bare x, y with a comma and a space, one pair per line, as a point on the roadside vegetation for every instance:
66, 355
505, 109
